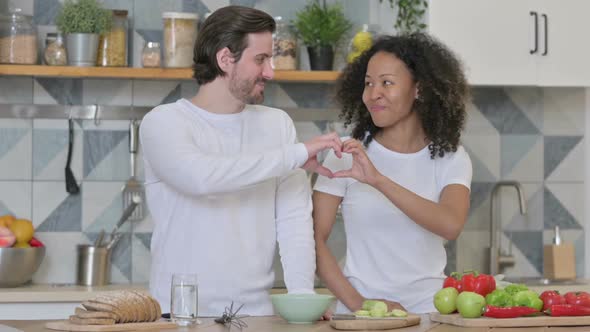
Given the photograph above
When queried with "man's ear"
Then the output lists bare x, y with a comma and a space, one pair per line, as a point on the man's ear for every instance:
224, 59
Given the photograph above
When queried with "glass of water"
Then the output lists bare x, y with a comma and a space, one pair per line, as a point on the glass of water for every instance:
184, 299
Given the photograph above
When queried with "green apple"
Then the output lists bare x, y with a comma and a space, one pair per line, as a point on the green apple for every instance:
445, 300
470, 304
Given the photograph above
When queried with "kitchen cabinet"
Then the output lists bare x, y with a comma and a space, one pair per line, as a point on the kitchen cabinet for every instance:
516, 42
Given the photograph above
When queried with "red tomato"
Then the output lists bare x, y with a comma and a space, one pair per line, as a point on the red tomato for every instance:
550, 298
578, 298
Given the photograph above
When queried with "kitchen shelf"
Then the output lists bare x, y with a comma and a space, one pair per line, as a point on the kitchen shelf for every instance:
149, 73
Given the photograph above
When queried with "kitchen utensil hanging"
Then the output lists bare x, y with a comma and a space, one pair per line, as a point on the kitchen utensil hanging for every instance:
71, 183
132, 186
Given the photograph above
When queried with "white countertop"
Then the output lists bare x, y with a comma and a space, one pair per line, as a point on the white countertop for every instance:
59, 292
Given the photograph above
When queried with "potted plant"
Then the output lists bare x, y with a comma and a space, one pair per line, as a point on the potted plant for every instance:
410, 15
321, 27
82, 22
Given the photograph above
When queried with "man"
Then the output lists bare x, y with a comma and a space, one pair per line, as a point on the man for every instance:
223, 177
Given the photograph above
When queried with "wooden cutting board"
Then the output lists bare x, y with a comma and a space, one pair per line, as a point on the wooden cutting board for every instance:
65, 325
456, 319
375, 323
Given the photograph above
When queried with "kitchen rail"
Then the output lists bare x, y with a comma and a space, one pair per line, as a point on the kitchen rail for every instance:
100, 112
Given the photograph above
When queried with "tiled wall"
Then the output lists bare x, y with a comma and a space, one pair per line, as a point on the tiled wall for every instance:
532, 135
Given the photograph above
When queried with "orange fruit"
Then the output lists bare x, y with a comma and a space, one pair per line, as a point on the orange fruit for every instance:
23, 230
6, 220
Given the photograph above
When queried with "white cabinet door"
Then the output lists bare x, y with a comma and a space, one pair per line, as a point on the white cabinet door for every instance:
565, 61
492, 37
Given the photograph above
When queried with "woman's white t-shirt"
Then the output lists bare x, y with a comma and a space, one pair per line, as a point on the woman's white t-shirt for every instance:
389, 256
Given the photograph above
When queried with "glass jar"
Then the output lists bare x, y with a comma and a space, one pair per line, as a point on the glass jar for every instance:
180, 33
55, 50
284, 54
150, 56
112, 46
18, 39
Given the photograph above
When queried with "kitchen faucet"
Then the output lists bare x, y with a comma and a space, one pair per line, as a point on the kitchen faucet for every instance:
498, 259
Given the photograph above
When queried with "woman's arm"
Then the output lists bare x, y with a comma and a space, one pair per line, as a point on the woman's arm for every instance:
325, 207
445, 218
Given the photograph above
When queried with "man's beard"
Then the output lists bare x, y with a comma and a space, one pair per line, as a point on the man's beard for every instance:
242, 89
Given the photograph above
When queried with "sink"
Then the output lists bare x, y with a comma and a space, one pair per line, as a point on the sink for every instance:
539, 281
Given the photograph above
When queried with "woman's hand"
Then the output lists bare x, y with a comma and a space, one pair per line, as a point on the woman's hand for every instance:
393, 305
362, 169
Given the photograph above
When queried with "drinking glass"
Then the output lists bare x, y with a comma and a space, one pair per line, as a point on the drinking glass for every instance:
184, 299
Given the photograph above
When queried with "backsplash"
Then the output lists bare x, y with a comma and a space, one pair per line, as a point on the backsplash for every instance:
533, 135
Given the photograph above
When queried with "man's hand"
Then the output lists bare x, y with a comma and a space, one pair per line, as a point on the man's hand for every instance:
318, 144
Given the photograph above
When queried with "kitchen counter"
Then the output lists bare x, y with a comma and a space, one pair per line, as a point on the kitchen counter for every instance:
276, 324
59, 292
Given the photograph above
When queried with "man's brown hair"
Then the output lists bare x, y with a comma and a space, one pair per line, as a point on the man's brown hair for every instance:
226, 27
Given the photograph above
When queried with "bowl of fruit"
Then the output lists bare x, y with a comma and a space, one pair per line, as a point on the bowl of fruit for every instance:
21, 253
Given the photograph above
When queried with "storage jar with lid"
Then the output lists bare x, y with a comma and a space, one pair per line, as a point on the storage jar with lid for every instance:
18, 39
180, 33
55, 51
112, 46
284, 53
150, 56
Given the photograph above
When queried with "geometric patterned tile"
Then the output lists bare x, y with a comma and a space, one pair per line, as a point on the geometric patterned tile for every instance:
502, 112
572, 167
15, 150
480, 192
98, 144
67, 216
514, 148
141, 258
196, 6
121, 256
310, 95
555, 214
15, 198
533, 219
530, 101
173, 96
451, 249
564, 111
556, 149
486, 153
65, 91
46, 11
530, 244
9, 137
528, 167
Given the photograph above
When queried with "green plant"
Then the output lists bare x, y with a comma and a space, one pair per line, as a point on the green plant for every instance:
83, 16
321, 25
409, 15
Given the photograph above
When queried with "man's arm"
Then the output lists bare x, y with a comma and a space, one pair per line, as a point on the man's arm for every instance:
178, 161
295, 231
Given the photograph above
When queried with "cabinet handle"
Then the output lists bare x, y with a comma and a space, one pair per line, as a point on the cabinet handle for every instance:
534, 50
546, 23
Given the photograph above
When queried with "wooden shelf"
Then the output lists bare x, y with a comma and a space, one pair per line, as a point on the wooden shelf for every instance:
147, 73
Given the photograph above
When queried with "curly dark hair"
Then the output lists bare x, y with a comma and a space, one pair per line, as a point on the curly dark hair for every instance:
443, 90
226, 27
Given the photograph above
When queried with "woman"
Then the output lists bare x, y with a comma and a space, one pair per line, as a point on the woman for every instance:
405, 180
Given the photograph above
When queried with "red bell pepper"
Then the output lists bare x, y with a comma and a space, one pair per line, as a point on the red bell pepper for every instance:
508, 312
558, 310
484, 284
578, 298
468, 283
454, 280
550, 298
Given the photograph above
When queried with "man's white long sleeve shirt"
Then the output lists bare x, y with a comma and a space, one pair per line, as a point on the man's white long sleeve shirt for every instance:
222, 189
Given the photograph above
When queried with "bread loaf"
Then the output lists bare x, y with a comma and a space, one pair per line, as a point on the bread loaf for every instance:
118, 307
